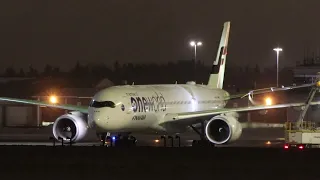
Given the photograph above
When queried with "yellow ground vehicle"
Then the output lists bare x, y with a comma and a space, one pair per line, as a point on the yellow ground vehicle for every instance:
302, 133
308, 135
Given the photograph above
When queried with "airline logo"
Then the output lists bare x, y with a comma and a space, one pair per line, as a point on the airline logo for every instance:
220, 60
154, 103
223, 55
225, 51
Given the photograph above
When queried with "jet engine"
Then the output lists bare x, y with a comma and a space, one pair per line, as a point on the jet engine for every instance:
223, 129
71, 126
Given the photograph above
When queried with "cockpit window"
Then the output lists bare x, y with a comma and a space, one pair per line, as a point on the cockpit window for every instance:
100, 104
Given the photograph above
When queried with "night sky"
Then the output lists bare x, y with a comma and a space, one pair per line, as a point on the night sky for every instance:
60, 32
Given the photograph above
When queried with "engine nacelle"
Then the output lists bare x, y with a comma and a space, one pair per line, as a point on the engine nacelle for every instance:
72, 126
223, 129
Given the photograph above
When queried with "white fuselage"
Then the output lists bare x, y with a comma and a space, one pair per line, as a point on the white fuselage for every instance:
141, 107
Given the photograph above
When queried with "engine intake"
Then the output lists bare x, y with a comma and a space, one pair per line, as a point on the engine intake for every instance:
223, 129
72, 126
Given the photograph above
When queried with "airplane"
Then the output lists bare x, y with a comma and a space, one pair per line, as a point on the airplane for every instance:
160, 108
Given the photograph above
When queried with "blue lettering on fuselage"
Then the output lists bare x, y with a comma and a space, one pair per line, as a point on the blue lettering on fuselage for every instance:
146, 104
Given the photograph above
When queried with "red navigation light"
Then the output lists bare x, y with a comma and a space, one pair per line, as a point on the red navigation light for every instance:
286, 146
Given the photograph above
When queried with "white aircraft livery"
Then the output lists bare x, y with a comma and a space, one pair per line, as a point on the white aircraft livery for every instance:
162, 109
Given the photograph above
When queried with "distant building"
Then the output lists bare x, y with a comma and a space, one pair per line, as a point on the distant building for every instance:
31, 115
305, 74
12, 79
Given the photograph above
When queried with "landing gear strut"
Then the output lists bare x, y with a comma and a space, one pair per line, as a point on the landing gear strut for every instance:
178, 137
103, 138
203, 142
164, 138
164, 141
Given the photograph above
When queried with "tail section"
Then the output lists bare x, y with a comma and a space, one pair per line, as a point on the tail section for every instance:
218, 68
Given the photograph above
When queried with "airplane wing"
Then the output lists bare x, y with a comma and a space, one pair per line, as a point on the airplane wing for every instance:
83, 109
198, 116
267, 90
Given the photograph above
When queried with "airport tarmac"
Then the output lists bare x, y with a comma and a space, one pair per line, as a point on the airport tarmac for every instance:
11, 143
40, 136
157, 163
246, 143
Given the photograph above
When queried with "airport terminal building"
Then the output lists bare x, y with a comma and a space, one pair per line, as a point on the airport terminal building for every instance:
305, 74
25, 115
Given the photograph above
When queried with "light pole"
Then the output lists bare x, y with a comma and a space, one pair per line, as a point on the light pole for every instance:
195, 44
277, 50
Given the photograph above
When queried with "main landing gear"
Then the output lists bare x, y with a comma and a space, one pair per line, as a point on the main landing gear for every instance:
121, 140
203, 142
172, 140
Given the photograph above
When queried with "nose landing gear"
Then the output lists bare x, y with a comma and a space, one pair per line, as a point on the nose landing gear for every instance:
117, 141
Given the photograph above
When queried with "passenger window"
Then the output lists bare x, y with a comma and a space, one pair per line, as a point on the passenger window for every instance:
100, 104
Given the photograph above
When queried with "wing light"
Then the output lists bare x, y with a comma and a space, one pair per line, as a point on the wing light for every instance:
53, 99
268, 101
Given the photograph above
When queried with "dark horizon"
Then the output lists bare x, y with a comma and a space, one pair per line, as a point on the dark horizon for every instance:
81, 76
111, 66
61, 33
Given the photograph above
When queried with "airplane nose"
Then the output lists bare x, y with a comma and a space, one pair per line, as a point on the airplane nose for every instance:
103, 121
99, 119
94, 118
